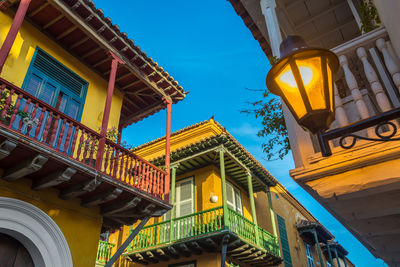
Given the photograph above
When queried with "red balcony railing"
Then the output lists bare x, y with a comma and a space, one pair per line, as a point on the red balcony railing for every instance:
27, 115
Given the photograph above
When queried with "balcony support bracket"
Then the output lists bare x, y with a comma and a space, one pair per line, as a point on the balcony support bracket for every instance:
122, 248
25, 168
54, 179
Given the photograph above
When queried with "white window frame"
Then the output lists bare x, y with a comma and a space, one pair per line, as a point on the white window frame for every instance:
237, 204
310, 259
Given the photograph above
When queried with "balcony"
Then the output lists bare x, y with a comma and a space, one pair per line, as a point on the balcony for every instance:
53, 150
360, 185
367, 84
104, 253
204, 231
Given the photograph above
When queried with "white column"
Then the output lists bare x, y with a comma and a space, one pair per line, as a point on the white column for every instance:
274, 33
341, 115
354, 11
389, 62
373, 80
355, 91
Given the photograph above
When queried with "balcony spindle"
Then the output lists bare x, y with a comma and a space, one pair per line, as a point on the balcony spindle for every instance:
91, 147
16, 108
391, 65
355, 91
68, 138
61, 135
25, 111
373, 80
85, 146
54, 131
47, 126
341, 115
34, 112
39, 126
74, 140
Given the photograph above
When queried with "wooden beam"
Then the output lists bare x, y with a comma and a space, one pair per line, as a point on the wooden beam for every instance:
82, 41
120, 206
53, 179
195, 247
102, 197
149, 256
37, 10
184, 250
124, 76
67, 32
25, 168
171, 251
6, 147
159, 253
101, 61
79, 189
131, 84
91, 52
211, 245
59, 17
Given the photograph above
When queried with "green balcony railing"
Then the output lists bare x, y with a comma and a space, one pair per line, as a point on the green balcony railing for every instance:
104, 252
200, 223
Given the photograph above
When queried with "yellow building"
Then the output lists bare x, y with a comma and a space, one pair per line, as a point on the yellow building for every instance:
228, 210
65, 178
359, 183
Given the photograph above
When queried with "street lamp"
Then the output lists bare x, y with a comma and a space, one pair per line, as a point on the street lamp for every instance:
303, 78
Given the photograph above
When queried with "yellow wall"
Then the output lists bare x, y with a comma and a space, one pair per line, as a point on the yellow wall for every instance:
80, 226
20, 56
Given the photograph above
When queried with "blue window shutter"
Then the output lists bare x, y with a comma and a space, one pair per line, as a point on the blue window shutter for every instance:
284, 241
55, 84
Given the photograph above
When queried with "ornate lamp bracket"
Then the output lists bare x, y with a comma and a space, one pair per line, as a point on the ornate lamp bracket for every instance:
380, 122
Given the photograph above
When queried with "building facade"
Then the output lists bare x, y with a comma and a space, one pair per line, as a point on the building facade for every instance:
228, 211
70, 81
359, 183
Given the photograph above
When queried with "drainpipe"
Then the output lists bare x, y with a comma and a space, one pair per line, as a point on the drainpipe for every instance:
106, 114
12, 33
318, 247
273, 218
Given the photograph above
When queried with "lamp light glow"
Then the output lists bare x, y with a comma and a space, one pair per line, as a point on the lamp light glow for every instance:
303, 77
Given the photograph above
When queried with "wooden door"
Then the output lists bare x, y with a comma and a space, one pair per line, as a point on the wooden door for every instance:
13, 253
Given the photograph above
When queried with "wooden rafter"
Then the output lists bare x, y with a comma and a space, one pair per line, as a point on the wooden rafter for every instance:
84, 40
37, 10
53, 21
67, 32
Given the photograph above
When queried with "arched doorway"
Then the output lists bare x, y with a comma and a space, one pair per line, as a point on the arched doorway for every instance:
36, 231
13, 253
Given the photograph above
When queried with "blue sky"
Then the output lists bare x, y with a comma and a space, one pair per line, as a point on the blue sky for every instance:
206, 47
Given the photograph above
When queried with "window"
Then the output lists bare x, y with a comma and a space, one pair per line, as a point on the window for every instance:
310, 259
284, 241
328, 264
53, 83
234, 198
184, 205
184, 198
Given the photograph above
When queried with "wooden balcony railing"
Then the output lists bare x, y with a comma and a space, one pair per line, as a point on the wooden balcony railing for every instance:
202, 223
104, 252
25, 114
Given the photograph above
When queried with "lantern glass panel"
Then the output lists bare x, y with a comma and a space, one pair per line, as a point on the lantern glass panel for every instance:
311, 75
330, 84
286, 81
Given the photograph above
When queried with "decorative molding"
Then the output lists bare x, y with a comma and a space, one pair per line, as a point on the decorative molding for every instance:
37, 231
